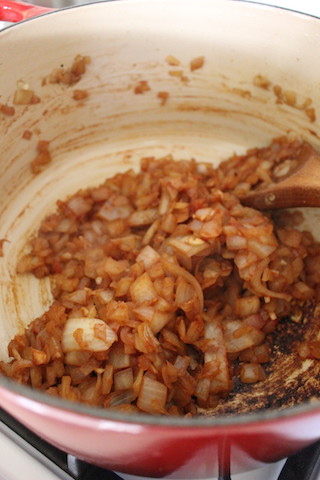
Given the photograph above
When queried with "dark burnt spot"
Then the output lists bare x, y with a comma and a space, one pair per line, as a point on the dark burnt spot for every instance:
290, 380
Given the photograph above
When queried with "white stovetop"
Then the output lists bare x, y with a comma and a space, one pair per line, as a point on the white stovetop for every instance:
16, 464
27, 467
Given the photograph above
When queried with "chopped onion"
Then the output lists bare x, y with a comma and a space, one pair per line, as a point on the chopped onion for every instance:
39, 357
166, 288
148, 256
115, 267
145, 341
104, 295
119, 397
144, 313
160, 320
238, 337
211, 229
77, 358
118, 358
123, 379
111, 212
189, 245
252, 373
204, 214
78, 296
256, 246
143, 217
164, 202
178, 271
236, 242
152, 396
142, 289
79, 205
184, 294
94, 335
23, 96
196, 63
203, 389
150, 232
216, 352
246, 306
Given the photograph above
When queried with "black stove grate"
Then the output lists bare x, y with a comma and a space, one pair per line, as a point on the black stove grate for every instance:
305, 465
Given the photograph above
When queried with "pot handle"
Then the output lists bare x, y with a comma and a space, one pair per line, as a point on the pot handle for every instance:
11, 11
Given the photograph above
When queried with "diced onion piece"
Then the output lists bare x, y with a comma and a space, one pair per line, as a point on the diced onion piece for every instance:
150, 232
10, 111
23, 96
120, 397
78, 296
236, 242
216, 352
148, 256
239, 336
256, 246
258, 354
77, 358
164, 202
115, 267
145, 341
110, 212
251, 373
184, 293
144, 312
107, 380
79, 205
142, 289
123, 379
117, 357
90, 334
138, 381
39, 357
143, 217
212, 228
302, 291
152, 396
104, 295
203, 389
171, 60
196, 63
245, 259
291, 237
80, 94
204, 214
247, 306
178, 271
189, 245
159, 320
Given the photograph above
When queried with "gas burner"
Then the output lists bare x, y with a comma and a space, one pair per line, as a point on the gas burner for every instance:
303, 466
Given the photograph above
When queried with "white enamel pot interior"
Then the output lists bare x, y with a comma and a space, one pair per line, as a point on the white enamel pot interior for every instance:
211, 113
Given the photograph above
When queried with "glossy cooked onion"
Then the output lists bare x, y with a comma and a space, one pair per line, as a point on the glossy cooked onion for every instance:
166, 288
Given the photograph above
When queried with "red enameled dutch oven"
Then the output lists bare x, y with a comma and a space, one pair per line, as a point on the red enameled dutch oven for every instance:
219, 110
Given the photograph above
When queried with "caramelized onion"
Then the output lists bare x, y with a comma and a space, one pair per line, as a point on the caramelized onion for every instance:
165, 287
178, 271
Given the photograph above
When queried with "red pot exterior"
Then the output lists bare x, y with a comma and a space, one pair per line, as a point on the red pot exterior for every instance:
16, 11
158, 450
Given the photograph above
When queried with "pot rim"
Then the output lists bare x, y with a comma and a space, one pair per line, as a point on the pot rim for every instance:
263, 416
200, 421
88, 5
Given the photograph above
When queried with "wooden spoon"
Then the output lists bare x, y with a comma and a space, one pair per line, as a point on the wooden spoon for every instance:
298, 185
